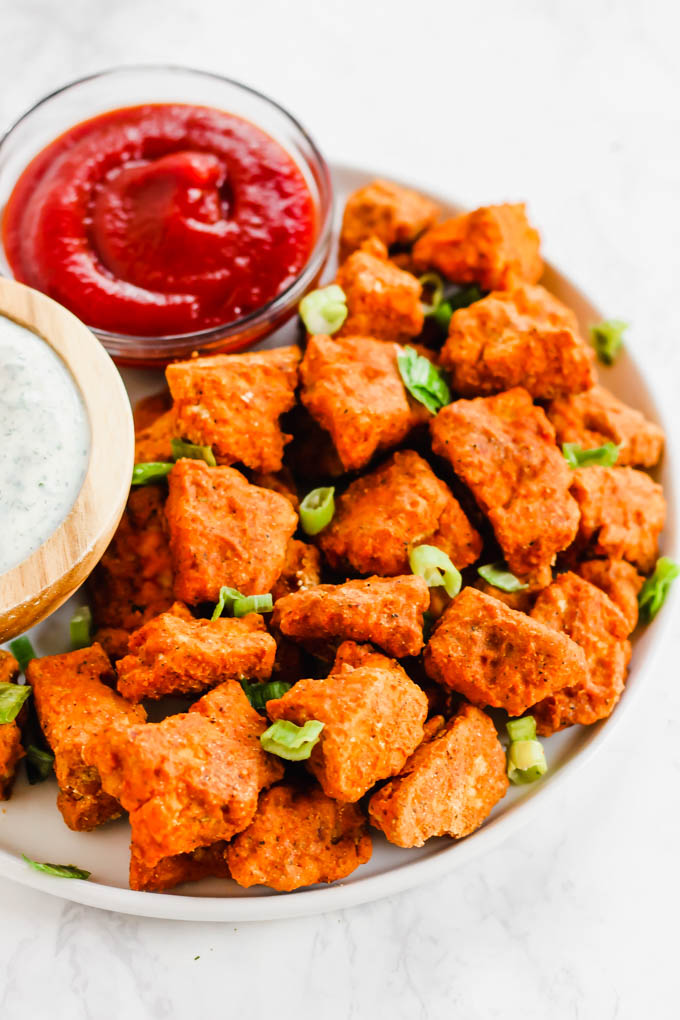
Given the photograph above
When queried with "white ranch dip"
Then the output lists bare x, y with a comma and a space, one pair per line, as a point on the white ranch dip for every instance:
44, 442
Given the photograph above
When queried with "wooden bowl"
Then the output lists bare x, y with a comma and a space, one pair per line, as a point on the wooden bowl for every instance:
39, 584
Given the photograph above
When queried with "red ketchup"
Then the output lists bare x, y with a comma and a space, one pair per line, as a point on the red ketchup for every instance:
160, 220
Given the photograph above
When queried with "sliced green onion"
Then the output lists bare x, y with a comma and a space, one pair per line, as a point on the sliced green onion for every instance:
317, 510
500, 577
22, 650
526, 761
150, 471
436, 568
605, 455
324, 310
607, 339
442, 315
12, 697
191, 451
294, 743
81, 628
58, 870
253, 604
522, 729
435, 282
464, 296
39, 764
655, 590
259, 694
226, 599
423, 380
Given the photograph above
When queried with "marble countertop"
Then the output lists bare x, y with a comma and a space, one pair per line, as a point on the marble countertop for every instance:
575, 108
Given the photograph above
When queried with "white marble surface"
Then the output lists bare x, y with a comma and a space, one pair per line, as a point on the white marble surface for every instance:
575, 107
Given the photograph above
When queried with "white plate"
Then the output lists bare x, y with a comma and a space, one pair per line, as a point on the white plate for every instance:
31, 824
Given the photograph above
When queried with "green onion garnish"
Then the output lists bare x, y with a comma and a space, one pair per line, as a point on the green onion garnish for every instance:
253, 604
324, 310
435, 282
317, 510
226, 599
58, 870
526, 757
294, 743
81, 628
605, 455
192, 451
436, 568
442, 315
22, 650
464, 296
446, 300
259, 694
423, 380
655, 590
150, 471
499, 576
522, 729
12, 697
607, 339
39, 764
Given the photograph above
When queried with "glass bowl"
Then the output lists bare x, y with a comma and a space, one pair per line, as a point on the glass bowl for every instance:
132, 86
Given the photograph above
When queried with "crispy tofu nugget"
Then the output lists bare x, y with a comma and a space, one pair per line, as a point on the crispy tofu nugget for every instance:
373, 717
154, 441
11, 751
622, 513
224, 531
279, 481
449, 784
597, 417
301, 570
9, 667
494, 246
204, 862
385, 611
146, 410
383, 301
620, 581
381, 515
299, 837
496, 656
76, 708
393, 214
524, 337
579, 609
233, 402
190, 780
176, 654
353, 388
503, 448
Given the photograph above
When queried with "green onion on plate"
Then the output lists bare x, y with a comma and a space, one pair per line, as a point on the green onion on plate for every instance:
607, 339
58, 870
423, 380
500, 577
436, 568
324, 310
147, 472
576, 457
22, 650
292, 742
81, 628
526, 757
12, 698
192, 451
317, 510
655, 590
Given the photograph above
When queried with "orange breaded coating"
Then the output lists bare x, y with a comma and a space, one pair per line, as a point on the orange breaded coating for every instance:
11, 753
620, 581
204, 862
9, 667
301, 570
494, 246
299, 837
190, 780
597, 417
382, 514
373, 717
180, 655
383, 301
387, 611
449, 784
76, 709
393, 214
524, 337
590, 618
153, 443
503, 448
496, 656
224, 531
353, 388
622, 513
280, 481
232, 402
133, 580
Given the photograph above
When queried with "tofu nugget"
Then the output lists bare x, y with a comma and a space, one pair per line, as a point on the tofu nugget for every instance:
299, 837
383, 301
393, 214
176, 654
524, 337
232, 402
385, 611
449, 784
204, 862
75, 708
301, 570
577, 608
622, 513
353, 388
224, 531
496, 656
381, 515
190, 780
494, 246
620, 581
503, 448
597, 417
373, 717
9, 667
154, 441
11, 751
